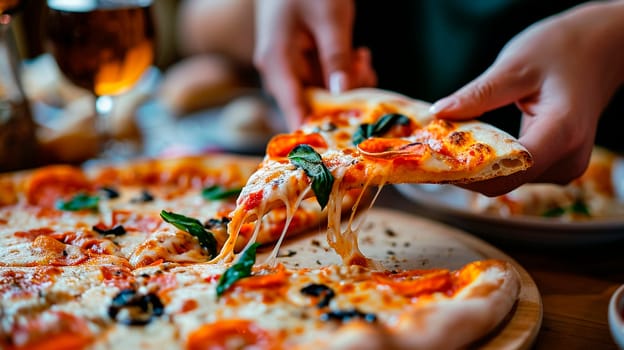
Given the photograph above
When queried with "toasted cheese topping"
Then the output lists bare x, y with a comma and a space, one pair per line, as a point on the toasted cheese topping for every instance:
165, 245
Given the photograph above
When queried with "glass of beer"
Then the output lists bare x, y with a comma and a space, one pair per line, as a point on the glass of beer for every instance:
8, 6
18, 143
104, 46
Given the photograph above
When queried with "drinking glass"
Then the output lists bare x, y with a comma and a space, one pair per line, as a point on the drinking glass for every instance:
18, 144
8, 6
104, 46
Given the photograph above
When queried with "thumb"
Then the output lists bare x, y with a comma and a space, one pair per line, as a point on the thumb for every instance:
498, 86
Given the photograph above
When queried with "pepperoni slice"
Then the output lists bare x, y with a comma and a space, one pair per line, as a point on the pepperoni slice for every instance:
390, 148
54, 253
281, 145
52, 330
217, 335
415, 283
271, 280
48, 184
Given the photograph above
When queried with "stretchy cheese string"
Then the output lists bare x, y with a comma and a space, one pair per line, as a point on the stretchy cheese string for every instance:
239, 217
345, 242
334, 216
254, 235
290, 214
370, 205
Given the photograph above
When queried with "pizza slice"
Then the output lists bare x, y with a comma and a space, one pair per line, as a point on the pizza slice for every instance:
364, 138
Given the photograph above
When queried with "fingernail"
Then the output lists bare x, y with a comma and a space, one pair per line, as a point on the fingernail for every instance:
442, 105
337, 82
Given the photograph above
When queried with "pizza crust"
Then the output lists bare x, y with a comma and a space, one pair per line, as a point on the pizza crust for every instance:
369, 101
457, 322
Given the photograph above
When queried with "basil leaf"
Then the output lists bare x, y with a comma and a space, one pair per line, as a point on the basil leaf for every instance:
580, 208
310, 161
362, 133
195, 228
213, 193
577, 207
239, 270
554, 212
381, 126
80, 201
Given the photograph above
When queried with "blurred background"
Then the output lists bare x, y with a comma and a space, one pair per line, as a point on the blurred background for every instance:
201, 93
200, 83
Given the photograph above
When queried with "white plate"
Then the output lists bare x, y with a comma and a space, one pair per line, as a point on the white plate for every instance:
449, 204
398, 240
208, 130
616, 316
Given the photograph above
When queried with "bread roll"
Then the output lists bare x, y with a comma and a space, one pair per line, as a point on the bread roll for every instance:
200, 82
246, 124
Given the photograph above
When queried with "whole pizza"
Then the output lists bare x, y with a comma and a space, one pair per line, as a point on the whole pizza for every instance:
161, 253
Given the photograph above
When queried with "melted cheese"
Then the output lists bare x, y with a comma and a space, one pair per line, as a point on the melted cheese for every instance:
165, 245
280, 184
344, 243
276, 184
290, 213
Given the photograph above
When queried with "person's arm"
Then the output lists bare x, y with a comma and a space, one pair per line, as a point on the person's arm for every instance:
561, 73
307, 42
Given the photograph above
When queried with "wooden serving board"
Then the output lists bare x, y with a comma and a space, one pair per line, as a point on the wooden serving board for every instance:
400, 240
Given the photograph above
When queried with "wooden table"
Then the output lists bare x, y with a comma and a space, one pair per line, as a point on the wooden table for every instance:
575, 284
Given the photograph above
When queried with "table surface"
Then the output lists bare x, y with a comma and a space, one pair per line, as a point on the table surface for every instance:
575, 283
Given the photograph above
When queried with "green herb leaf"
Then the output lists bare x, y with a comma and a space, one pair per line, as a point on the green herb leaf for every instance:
214, 193
195, 228
310, 161
80, 201
239, 270
577, 207
380, 127
580, 208
554, 212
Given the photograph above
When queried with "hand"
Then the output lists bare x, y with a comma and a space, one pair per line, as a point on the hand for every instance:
308, 42
561, 73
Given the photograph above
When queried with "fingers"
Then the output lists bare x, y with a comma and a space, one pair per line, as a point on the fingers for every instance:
363, 74
332, 26
304, 42
502, 84
561, 172
561, 145
286, 87
497, 186
278, 52
288, 91
560, 139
